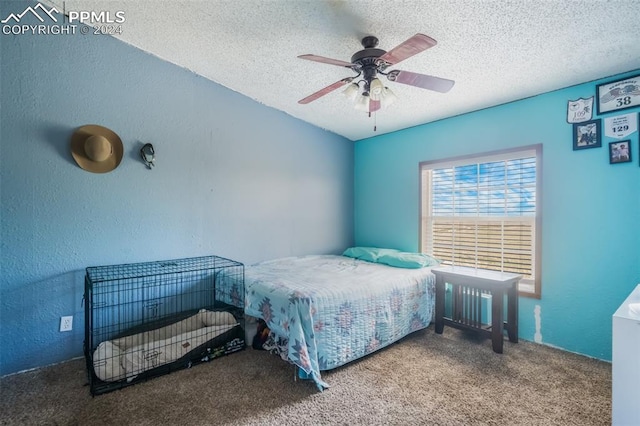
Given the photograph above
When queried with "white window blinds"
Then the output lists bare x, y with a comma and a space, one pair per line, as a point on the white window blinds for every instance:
482, 212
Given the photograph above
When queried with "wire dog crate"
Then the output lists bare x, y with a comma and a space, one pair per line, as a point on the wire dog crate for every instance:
143, 320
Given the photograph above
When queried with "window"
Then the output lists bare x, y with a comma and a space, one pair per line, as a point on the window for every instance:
484, 212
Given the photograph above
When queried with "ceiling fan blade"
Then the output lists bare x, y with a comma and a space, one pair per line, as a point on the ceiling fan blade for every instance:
324, 60
423, 81
373, 105
320, 93
410, 47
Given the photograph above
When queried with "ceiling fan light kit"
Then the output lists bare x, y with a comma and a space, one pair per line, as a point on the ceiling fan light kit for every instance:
377, 92
369, 93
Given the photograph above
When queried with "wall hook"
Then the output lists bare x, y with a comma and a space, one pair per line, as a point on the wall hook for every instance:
148, 155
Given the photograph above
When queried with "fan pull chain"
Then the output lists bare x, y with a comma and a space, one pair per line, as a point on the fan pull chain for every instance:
375, 127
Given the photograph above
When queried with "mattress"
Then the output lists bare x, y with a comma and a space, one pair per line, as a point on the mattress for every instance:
335, 309
128, 356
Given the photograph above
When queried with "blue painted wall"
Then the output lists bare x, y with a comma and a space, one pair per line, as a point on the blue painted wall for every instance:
590, 209
233, 178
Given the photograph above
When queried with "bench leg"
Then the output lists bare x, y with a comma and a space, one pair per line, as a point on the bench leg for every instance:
497, 321
512, 313
439, 306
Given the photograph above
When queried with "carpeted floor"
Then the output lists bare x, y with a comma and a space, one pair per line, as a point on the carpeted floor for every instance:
427, 379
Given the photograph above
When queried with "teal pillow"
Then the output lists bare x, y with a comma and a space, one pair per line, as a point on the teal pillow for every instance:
370, 254
408, 260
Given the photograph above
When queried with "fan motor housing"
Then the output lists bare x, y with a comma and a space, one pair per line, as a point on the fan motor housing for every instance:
367, 60
368, 53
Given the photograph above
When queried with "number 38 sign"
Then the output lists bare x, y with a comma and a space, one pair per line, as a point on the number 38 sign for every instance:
617, 95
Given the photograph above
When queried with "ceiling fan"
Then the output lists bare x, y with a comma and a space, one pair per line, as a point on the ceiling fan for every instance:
370, 62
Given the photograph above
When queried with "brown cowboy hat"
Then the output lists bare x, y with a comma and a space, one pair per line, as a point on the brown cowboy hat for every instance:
96, 149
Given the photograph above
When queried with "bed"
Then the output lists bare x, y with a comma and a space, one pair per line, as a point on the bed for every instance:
332, 309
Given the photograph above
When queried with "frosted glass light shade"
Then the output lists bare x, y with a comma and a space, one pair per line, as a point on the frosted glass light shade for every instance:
375, 89
362, 103
351, 92
387, 97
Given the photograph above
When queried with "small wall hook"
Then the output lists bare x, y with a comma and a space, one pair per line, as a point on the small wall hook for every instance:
148, 155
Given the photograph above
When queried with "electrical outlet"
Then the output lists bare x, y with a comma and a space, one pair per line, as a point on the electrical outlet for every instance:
66, 323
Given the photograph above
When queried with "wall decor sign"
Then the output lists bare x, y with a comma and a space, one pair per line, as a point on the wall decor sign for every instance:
618, 95
620, 126
587, 135
580, 110
620, 152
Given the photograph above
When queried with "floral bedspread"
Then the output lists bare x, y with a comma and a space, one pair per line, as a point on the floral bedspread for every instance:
335, 309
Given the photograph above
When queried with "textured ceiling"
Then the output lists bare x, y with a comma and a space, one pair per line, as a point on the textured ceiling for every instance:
496, 51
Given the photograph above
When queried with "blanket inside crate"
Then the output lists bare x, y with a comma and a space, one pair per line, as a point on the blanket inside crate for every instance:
128, 356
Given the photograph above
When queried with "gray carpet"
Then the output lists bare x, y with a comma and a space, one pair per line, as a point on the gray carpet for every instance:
449, 379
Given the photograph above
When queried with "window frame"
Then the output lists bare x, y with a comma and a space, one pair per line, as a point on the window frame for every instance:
533, 290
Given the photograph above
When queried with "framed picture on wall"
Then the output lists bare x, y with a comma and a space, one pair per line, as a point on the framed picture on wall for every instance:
620, 152
618, 95
587, 135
